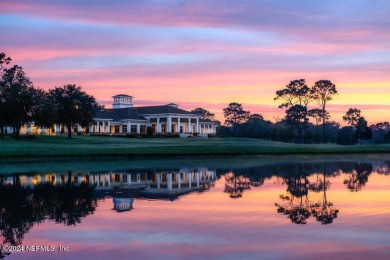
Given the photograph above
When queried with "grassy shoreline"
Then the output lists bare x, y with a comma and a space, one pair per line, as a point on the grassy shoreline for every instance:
59, 147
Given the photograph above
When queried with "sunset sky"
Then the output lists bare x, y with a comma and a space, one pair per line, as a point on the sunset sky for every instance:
205, 53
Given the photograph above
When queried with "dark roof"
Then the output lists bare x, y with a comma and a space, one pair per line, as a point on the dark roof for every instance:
136, 113
166, 109
119, 114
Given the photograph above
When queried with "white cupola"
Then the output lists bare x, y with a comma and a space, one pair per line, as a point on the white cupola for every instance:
122, 101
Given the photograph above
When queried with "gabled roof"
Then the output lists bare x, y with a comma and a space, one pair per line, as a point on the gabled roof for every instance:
118, 114
136, 113
166, 109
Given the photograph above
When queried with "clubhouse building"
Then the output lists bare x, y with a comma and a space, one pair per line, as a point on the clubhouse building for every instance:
123, 118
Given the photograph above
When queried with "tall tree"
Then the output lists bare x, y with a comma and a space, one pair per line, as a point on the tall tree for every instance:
296, 117
235, 114
362, 132
73, 106
295, 93
255, 118
44, 112
317, 114
323, 92
352, 116
17, 94
4, 60
203, 113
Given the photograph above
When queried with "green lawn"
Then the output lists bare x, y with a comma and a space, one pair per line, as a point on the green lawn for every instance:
91, 146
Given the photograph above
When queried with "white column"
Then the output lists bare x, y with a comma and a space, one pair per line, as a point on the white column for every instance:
79, 129
189, 125
97, 127
43, 130
79, 179
42, 178
169, 180
92, 179
197, 125
120, 129
169, 124
109, 128
98, 180
129, 179
128, 127
158, 125
138, 128
178, 125
58, 129
158, 181
189, 179
138, 177
197, 179
178, 178
58, 179
28, 131
91, 128
109, 180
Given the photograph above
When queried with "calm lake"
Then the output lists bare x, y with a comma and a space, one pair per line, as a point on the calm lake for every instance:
201, 208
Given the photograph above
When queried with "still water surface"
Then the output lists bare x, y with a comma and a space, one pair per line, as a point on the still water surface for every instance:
246, 208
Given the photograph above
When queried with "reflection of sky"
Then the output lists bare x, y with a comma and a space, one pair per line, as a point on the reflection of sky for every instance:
212, 225
208, 51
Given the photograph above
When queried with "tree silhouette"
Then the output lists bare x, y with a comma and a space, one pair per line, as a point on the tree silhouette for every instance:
352, 116
235, 114
295, 93
203, 113
73, 106
296, 117
44, 111
4, 60
17, 96
362, 132
318, 115
323, 92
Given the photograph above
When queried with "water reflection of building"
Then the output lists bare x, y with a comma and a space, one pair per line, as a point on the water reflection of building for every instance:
123, 204
160, 180
161, 184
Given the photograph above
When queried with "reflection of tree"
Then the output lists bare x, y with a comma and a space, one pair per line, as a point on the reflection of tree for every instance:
297, 209
323, 211
235, 185
385, 169
240, 180
319, 185
358, 177
297, 186
22, 207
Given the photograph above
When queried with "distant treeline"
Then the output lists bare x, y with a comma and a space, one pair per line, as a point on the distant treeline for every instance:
295, 126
